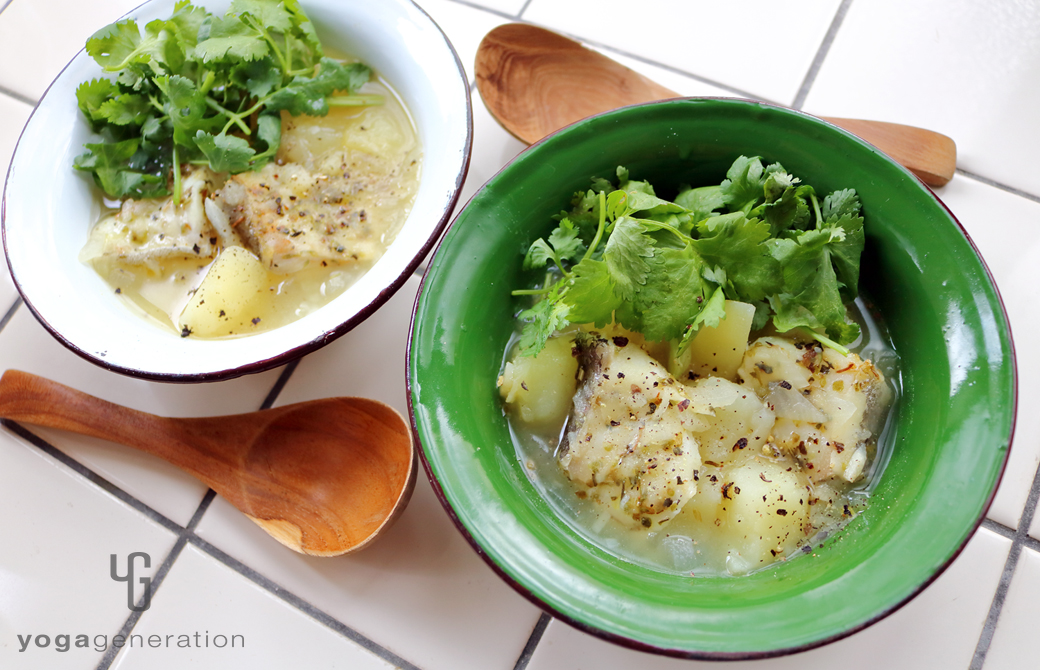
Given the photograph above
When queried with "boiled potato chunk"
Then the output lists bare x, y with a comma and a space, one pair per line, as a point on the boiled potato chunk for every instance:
541, 387
742, 423
718, 351
765, 506
229, 297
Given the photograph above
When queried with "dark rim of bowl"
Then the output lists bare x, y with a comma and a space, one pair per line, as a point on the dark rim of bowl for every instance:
685, 653
302, 349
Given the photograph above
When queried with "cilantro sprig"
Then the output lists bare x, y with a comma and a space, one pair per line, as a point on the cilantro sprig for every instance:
203, 89
665, 268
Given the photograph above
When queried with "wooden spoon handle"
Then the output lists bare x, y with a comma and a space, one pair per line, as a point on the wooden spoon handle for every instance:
535, 81
31, 399
27, 398
930, 155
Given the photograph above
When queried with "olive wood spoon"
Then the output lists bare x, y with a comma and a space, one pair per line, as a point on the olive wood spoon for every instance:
535, 81
323, 477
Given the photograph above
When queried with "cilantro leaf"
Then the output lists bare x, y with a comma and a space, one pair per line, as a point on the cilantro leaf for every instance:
566, 243
788, 211
225, 153
115, 45
846, 253
306, 95
839, 204
126, 109
199, 87
666, 268
270, 15
811, 286
592, 296
538, 255
91, 95
701, 202
542, 320
625, 254
712, 312
743, 186
737, 245
108, 163
229, 38
672, 295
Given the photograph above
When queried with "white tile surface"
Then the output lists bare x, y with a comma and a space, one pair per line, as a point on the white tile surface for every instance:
510, 7
936, 630
1006, 230
964, 68
1014, 642
52, 31
680, 83
13, 115
271, 633
464, 26
761, 47
420, 591
173, 493
59, 531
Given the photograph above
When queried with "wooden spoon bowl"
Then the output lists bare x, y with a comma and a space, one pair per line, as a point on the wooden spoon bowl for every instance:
535, 81
324, 477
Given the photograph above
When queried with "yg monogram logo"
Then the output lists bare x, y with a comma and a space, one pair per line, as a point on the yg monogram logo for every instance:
129, 579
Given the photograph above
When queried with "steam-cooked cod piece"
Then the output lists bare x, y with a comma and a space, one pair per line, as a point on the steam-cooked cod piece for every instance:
148, 231
630, 443
340, 212
826, 404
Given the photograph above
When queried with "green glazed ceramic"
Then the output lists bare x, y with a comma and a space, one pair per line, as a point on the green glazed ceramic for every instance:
955, 417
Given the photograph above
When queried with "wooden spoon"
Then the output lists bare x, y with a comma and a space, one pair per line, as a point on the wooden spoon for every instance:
323, 478
535, 81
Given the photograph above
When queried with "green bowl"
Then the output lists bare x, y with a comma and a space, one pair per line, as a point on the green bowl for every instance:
955, 417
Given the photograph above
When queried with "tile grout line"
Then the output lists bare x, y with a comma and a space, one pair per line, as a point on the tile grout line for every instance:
489, 10
642, 59
821, 54
279, 384
999, 528
298, 603
157, 581
160, 575
740, 93
16, 95
1020, 538
10, 313
996, 184
91, 476
532, 642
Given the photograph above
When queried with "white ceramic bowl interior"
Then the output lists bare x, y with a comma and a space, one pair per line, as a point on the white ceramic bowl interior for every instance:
48, 207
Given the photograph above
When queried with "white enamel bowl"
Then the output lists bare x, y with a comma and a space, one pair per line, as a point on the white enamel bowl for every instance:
48, 207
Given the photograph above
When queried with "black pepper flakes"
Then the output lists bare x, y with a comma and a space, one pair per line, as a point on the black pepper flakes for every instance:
620, 342
782, 512
784, 384
741, 444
